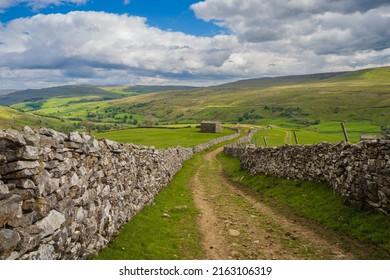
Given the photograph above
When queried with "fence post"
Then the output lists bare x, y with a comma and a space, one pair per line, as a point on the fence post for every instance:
295, 137
345, 132
265, 141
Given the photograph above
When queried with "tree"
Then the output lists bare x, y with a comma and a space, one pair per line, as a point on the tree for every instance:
149, 121
88, 126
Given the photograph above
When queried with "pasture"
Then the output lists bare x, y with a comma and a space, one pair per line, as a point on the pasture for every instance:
162, 138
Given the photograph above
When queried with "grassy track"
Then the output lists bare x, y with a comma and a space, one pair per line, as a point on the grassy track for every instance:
317, 202
151, 236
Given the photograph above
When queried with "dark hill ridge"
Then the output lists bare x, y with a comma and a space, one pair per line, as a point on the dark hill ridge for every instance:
33, 95
282, 80
6, 91
150, 89
61, 91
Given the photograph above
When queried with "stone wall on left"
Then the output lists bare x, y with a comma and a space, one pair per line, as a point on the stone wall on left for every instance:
66, 196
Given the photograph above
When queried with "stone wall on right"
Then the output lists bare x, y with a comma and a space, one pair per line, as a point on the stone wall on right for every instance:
359, 173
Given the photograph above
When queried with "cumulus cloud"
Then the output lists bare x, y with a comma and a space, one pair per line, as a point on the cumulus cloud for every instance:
81, 44
321, 25
268, 38
37, 4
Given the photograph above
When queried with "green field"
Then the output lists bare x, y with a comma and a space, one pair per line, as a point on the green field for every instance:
313, 105
296, 102
324, 132
163, 138
10, 118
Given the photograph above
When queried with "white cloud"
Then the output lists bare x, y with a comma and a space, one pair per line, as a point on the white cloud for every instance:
82, 44
268, 40
297, 20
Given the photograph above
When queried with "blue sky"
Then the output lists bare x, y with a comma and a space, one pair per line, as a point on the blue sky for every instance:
47, 43
167, 15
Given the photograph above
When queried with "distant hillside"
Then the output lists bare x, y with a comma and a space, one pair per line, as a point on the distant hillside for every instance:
150, 89
35, 99
305, 100
10, 118
279, 81
6, 91
298, 100
39, 95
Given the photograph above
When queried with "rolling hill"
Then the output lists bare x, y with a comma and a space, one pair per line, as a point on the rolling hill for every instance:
298, 100
10, 118
293, 101
35, 99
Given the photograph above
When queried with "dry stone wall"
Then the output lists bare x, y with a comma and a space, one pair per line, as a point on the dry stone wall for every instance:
66, 196
359, 173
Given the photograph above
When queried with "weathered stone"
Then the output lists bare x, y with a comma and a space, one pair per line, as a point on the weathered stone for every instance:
51, 223
22, 221
48, 142
46, 252
60, 239
23, 183
3, 159
74, 179
76, 137
18, 165
28, 241
51, 164
28, 205
46, 184
25, 173
9, 240
10, 209
11, 138
63, 167
29, 153
41, 207
3, 189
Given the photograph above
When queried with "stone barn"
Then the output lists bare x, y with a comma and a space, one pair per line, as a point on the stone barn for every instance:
208, 126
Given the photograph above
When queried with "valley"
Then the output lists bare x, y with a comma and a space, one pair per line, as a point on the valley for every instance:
314, 104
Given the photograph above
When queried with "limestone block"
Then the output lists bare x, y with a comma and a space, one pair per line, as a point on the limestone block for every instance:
3, 189
76, 137
28, 153
46, 252
9, 240
16, 166
10, 138
10, 209
51, 223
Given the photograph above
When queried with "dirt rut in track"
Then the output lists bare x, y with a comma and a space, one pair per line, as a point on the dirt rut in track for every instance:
235, 225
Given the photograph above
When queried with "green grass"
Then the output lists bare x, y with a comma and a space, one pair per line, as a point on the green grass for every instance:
316, 202
316, 103
162, 138
361, 97
326, 131
150, 236
10, 118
